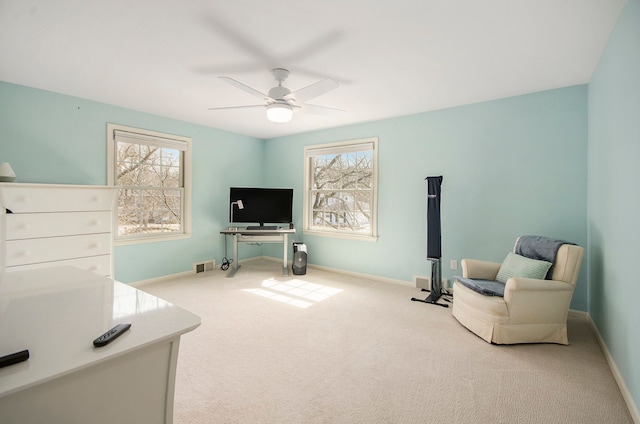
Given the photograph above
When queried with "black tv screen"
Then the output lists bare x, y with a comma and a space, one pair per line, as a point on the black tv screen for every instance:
261, 205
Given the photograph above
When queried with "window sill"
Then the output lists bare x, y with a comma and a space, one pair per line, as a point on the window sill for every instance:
347, 236
150, 239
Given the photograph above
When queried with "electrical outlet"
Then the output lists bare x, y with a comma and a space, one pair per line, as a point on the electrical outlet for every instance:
454, 264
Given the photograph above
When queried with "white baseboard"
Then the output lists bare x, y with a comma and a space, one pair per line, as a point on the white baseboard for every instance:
342, 271
622, 385
141, 283
579, 314
335, 270
363, 275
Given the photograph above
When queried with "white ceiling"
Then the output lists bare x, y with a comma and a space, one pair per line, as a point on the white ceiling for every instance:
391, 58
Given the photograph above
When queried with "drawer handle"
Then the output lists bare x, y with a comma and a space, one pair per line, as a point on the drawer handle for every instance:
96, 222
25, 226
25, 199
24, 253
95, 268
95, 245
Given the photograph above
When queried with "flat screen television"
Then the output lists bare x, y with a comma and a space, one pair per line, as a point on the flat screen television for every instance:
261, 205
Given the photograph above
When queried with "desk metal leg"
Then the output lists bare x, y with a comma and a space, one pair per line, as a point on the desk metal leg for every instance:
236, 265
285, 267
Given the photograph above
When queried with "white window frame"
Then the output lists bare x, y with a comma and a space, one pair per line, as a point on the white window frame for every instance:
334, 148
156, 138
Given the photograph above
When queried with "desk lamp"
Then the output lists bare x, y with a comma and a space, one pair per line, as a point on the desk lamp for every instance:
240, 206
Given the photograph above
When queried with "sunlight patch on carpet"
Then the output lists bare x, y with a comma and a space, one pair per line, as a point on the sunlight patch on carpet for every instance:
293, 292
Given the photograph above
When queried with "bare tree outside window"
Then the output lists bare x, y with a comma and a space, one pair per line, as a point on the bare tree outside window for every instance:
150, 191
341, 196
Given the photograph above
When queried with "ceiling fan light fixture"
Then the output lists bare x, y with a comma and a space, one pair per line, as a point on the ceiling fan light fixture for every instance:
279, 113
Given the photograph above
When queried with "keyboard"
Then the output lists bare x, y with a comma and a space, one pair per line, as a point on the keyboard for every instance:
262, 227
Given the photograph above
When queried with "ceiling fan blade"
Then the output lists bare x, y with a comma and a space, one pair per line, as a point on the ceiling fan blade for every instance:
243, 41
237, 107
321, 110
246, 88
313, 90
314, 46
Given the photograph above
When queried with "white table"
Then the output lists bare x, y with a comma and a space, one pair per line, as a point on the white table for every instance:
56, 313
243, 235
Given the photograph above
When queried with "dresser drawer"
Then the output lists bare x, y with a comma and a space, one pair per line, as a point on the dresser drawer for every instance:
34, 225
101, 265
56, 199
23, 252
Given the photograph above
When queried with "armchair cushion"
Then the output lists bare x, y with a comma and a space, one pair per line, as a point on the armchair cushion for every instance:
518, 266
485, 287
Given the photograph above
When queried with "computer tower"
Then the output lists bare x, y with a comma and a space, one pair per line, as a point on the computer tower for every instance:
299, 265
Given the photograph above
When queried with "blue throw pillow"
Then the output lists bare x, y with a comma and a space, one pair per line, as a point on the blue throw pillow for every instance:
519, 266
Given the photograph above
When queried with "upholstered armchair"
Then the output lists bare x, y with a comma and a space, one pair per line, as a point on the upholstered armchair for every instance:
523, 300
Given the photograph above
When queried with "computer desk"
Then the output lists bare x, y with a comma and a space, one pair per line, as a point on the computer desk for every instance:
243, 235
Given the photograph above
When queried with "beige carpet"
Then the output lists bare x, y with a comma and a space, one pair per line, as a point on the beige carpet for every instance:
330, 348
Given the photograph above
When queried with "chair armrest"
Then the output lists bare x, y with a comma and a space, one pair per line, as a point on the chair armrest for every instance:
473, 268
537, 301
533, 284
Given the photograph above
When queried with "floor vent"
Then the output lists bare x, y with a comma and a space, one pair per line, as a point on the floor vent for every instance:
204, 266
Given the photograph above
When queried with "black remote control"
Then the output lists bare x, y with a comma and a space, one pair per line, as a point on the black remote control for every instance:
14, 358
111, 335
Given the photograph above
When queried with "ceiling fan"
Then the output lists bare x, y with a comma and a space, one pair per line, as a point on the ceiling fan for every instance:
280, 102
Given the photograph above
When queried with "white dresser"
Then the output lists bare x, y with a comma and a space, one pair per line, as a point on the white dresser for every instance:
44, 225
56, 313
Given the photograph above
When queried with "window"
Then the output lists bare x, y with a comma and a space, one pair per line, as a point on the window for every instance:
340, 193
152, 172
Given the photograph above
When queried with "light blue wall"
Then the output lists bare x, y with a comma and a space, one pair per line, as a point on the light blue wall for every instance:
614, 195
511, 167
52, 138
